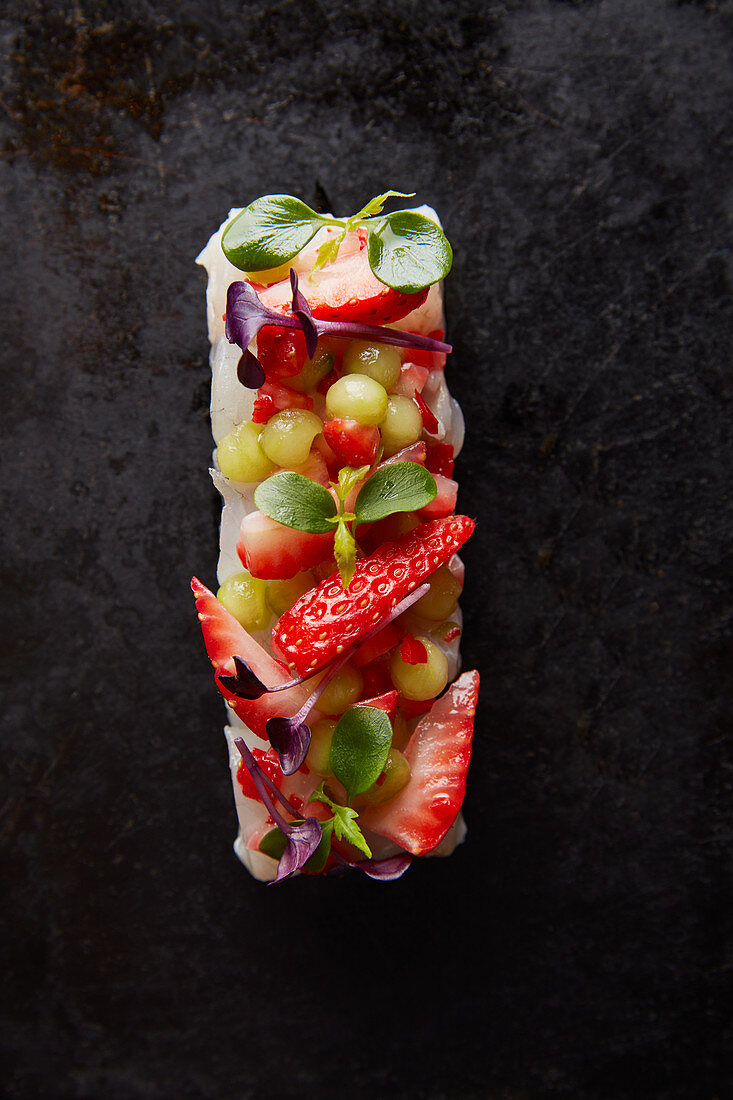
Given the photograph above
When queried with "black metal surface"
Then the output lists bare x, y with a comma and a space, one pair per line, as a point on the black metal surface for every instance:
578, 943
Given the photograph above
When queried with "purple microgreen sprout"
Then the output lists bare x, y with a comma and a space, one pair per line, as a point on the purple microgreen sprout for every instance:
302, 311
301, 837
247, 314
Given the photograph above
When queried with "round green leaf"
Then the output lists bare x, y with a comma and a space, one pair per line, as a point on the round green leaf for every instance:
360, 746
396, 487
408, 251
296, 501
268, 232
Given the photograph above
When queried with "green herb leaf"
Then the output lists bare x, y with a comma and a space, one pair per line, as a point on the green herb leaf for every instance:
344, 550
328, 251
296, 501
408, 251
359, 748
374, 206
348, 478
268, 232
396, 487
343, 823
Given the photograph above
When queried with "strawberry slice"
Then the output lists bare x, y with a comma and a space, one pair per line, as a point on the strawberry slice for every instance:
438, 753
346, 290
354, 444
225, 638
445, 499
275, 552
326, 619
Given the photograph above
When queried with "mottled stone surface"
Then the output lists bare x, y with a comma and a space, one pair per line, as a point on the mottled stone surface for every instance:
579, 943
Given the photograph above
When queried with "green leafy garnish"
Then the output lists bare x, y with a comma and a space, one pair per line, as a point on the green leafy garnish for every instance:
360, 747
343, 823
344, 551
406, 251
297, 501
349, 476
397, 487
268, 232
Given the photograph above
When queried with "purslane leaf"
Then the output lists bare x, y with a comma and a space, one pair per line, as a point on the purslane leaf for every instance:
360, 746
408, 251
397, 487
269, 231
296, 501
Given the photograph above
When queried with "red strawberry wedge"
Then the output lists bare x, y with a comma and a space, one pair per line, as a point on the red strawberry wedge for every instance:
346, 290
438, 753
326, 619
225, 638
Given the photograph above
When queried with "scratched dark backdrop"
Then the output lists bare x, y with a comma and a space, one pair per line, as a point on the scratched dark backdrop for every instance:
578, 944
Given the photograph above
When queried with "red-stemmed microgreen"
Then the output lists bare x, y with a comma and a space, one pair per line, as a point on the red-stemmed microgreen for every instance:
302, 837
247, 314
405, 250
303, 504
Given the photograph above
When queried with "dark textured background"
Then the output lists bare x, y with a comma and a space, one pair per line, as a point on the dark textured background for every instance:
578, 944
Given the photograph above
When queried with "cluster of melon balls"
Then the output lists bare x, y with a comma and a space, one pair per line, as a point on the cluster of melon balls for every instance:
251, 452
363, 394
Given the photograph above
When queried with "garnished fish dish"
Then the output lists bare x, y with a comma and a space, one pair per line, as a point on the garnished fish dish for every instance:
334, 626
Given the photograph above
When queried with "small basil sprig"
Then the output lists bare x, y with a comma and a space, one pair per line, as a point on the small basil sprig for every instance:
360, 747
406, 251
303, 504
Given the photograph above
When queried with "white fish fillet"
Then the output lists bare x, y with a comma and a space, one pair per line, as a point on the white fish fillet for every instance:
231, 405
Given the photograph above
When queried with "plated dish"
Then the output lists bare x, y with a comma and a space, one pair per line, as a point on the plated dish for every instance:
335, 628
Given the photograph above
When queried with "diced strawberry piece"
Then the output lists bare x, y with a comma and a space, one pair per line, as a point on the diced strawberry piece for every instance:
273, 398
386, 702
414, 708
379, 644
430, 421
444, 503
412, 379
377, 677
413, 652
433, 360
354, 444
325, 620
282, 352
439, 459
438, 753
270, 765
346, 290
275, 552
225, 638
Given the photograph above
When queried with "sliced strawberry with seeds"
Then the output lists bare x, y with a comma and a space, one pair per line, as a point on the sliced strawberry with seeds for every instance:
438, 753
225, 638
325, 620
